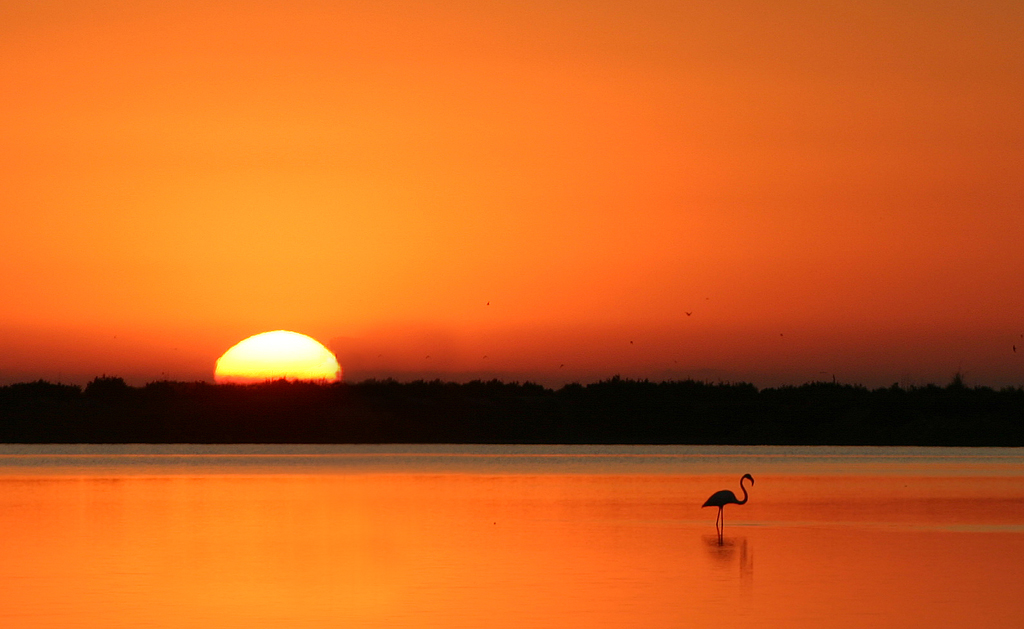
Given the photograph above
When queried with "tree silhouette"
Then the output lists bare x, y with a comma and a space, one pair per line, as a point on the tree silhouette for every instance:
610, 411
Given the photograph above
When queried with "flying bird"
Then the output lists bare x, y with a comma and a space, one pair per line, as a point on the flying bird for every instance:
688, 314
725, 497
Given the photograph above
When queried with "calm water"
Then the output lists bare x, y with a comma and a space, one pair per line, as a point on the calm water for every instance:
520, 536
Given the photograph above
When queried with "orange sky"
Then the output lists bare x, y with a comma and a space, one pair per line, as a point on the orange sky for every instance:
829, 187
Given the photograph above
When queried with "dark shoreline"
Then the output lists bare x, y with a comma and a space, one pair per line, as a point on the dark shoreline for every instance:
614, 411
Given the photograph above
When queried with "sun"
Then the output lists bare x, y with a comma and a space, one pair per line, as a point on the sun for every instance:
275, 355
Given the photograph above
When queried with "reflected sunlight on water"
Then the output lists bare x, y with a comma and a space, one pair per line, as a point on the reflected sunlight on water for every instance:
413, 537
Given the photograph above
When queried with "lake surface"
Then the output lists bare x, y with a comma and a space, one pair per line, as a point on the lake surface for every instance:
508, 536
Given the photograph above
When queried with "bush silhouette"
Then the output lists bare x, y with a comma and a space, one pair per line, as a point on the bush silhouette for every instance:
610, 411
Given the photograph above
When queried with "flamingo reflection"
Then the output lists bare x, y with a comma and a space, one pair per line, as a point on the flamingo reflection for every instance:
733, 552
725, 497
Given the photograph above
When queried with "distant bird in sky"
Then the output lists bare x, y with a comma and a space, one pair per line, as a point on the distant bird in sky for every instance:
562, 365
427, 356
488, 303
725, 497
688, 314
631, 342
1014, 349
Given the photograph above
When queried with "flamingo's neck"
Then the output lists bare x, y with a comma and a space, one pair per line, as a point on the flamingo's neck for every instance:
744, 491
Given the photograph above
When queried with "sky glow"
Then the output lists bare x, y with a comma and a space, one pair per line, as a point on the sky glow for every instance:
521, 190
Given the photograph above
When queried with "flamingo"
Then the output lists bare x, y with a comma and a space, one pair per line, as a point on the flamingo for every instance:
725, 497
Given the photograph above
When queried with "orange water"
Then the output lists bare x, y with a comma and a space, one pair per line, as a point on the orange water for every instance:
518, 549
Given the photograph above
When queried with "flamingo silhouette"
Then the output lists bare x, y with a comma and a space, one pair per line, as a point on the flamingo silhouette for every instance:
725, 497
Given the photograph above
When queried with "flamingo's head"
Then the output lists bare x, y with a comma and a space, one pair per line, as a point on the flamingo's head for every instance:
749, 477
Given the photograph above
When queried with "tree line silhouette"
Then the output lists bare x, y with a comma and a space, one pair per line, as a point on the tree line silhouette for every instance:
614, 411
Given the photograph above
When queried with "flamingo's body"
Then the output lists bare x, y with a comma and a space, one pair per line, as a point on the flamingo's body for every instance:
725, 497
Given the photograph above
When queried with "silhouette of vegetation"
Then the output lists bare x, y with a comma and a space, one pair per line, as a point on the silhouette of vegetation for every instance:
607, 412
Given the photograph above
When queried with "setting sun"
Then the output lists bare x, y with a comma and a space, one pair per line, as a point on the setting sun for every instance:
275, 355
